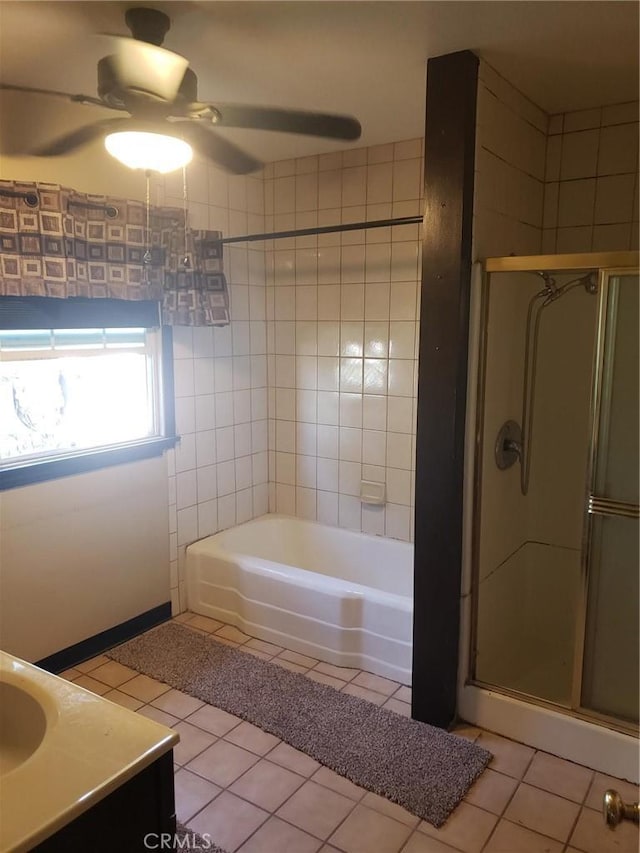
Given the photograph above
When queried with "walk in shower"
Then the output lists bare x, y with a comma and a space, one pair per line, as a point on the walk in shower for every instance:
554, 546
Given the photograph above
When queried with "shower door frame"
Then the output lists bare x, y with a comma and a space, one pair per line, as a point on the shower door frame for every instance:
607, 264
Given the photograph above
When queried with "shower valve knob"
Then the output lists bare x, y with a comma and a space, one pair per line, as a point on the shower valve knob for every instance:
508, 449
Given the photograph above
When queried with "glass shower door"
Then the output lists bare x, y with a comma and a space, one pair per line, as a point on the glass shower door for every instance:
609, 684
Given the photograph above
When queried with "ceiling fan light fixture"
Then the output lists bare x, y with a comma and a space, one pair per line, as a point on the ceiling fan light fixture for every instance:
156, 152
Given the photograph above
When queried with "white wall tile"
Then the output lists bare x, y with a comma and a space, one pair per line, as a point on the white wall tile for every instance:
185, 452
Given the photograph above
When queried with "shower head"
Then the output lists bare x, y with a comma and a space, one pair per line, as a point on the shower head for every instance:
549, 281
552, 291
590, 282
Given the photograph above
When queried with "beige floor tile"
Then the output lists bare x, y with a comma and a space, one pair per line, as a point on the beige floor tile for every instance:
228, 820
192, 794
509, 756
262, 646
330, 779
290, 665
192, 742
293, 759
267, 785
214, 720
91, 684
386, 807
204, 623
223, 641
222, 763
627, 790
559, 776
365, 831
144, 688
316, 809
295, 657
124, 700
402, 708
159, 716
362, 693
69, 674
467, 731
593, 836
344, 673
419, 843
403, 694
255, 652
113, 673
377, 683
92, 663
467, 828
228, 632
276, 836
323, 678
177, 703
183, 617
542, 812
492, 791
509, 838
252, 738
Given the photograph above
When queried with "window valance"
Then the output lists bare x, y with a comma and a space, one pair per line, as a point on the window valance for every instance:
57, 242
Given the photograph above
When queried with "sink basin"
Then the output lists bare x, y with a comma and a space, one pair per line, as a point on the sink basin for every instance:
63, 750
23, 724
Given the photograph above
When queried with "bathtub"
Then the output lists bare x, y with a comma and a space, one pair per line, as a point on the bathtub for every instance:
342, 597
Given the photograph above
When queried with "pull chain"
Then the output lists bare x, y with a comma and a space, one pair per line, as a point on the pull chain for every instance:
147, 255
186, 263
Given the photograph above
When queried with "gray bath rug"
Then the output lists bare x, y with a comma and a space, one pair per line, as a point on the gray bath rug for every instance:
194, 843
418, 766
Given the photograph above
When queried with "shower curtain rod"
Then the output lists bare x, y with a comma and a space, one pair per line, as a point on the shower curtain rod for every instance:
325, 229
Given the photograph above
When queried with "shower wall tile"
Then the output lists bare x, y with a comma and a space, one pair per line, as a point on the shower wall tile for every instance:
341, 339
592, 168
511, 142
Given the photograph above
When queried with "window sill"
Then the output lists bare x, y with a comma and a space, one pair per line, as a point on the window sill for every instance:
82, 462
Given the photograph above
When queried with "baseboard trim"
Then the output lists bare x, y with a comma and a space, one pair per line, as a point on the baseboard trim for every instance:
92, 646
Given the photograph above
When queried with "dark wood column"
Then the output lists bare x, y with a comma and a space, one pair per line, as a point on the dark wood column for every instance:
444, 325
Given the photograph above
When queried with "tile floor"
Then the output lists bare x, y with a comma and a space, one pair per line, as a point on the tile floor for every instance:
255, 794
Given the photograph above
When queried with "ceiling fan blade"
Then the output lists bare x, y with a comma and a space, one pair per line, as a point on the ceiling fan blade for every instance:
77, 138
289, 121
212, 146
79, 99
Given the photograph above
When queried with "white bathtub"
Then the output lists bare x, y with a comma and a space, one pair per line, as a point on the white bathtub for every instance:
343, 597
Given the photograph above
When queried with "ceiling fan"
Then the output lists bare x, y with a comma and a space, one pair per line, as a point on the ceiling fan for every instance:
160, 93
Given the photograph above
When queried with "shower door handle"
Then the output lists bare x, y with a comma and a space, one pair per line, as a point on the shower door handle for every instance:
607, 506
615, 810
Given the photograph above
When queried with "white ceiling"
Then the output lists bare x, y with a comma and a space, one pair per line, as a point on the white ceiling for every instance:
361, 58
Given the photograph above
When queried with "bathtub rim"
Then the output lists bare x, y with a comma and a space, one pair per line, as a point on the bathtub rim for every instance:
302, 577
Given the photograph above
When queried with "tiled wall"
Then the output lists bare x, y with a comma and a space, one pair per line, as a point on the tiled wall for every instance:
342, 323
591, 194
511, 139
218, 473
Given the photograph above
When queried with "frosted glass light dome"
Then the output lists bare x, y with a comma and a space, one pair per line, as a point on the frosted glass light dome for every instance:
156, 152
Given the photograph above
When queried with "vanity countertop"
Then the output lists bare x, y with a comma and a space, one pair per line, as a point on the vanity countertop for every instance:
57, 762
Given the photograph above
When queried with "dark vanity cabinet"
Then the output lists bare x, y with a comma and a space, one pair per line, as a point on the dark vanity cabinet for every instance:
139, 815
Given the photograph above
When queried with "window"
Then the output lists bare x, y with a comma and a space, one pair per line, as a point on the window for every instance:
76, 397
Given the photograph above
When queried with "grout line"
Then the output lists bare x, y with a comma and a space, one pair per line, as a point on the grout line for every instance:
508, 803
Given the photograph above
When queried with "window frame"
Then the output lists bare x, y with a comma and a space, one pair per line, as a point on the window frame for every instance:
51, 313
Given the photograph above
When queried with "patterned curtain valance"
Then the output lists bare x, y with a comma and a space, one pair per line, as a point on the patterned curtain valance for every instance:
57, 242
